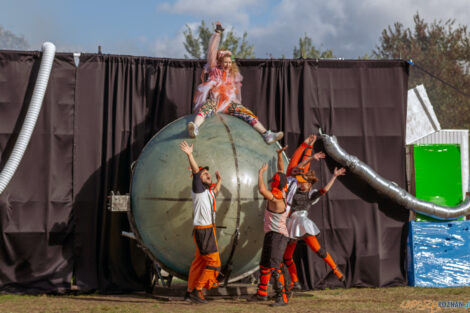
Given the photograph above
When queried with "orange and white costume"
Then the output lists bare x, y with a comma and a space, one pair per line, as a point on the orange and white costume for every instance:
300, 227
206, 264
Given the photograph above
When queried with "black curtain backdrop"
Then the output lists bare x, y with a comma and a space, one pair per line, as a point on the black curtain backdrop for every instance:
97, 117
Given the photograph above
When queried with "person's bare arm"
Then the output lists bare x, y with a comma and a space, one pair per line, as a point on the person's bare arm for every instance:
261, 186
214, 46
337, 172
317, 156
280, 160
188, 149
218, 183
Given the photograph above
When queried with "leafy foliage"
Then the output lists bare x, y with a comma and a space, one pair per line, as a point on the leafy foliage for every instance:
8, 40
307, 50
196, 43
443, 49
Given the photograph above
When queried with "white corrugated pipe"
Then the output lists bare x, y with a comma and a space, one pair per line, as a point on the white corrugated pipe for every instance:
48, 52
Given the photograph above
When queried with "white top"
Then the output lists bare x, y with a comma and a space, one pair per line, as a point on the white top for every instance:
203, 203
291, 190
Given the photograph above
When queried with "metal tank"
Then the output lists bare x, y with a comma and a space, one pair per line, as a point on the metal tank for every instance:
161, 205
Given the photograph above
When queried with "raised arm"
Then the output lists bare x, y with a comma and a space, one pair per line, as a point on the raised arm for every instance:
214, 42
280, 160
306, 161
308, 142
188, 149
218, 183
337, 172
261, 186
296, 158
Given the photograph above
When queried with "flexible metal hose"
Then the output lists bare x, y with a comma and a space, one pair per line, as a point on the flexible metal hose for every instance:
389, 188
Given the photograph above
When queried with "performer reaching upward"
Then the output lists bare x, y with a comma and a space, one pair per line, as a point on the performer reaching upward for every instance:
221, 91
206, 264
275, 238
301, 195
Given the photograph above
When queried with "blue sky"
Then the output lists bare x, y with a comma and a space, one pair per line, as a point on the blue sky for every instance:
350, 28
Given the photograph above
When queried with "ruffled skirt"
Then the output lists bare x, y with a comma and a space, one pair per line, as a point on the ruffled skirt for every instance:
299, 225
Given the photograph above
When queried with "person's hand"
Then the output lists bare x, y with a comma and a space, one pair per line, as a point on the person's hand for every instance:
319, 155
188, 149
263, 168
279, 151
217, 175
339, 172
310, 140
203, 75
218, 27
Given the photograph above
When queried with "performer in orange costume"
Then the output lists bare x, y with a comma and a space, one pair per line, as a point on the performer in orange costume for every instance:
206, 264
301, 196
276, 235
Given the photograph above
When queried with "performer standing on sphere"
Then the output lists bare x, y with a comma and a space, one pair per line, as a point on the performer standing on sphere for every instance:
221, 91
301, 196
206, 264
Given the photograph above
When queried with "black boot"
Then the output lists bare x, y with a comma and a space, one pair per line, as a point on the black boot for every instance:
196, 296
187, 296
281, 297
279, 301
296, 286
257, 298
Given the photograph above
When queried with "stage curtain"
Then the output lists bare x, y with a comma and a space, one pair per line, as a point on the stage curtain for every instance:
98, 116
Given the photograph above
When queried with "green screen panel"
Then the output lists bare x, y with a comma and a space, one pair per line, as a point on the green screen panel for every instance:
438, 176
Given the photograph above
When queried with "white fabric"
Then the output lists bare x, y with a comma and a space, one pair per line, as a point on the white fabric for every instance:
310, 193
420, 117
202, 208
222, 88
276, 222
299, 225
291, 190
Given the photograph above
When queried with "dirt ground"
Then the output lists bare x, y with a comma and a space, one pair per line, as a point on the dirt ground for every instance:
398, 299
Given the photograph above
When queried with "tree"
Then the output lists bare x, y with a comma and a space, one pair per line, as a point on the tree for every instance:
196, 43
443, 49
8, 40
307, 50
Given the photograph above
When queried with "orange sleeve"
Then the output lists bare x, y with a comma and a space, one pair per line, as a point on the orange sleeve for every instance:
296, 158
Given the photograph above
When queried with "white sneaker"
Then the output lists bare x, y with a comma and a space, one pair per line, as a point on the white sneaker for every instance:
270, 137
193, 130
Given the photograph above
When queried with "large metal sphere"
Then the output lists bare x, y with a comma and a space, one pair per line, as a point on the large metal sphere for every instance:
161, 205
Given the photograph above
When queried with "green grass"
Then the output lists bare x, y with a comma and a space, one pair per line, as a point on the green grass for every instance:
336, 300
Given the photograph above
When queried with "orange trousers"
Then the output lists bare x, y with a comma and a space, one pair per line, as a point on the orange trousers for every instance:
204, 268
313, 243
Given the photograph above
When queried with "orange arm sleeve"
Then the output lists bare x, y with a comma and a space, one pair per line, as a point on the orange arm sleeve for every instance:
296, 158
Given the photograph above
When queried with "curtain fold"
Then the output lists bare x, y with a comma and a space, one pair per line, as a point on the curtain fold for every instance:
97, 117
35, 209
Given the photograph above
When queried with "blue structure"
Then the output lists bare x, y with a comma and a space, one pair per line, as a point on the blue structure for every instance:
439, 254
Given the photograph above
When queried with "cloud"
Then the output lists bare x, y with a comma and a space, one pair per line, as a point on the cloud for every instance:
350, 28
171, 47
233, 11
